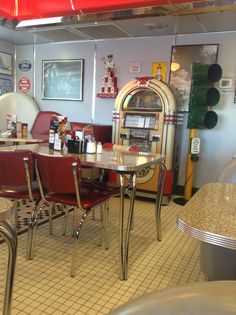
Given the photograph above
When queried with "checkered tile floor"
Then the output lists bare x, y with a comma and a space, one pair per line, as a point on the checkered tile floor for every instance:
44, 286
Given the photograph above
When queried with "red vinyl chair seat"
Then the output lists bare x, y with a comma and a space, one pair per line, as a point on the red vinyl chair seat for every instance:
13, 177
89, 199
20, 192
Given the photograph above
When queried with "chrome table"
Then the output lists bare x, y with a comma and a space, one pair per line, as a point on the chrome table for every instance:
28, 139
210, 215
124, 163
9, 235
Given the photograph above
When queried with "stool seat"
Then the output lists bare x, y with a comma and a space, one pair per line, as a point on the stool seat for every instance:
205, 298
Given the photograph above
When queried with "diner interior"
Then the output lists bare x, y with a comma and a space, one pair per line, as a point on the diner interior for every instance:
117, 185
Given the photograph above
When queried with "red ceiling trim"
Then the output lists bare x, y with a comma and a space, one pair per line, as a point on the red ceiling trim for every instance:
33, 9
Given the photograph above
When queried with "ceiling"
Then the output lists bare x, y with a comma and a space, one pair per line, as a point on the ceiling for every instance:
198, 17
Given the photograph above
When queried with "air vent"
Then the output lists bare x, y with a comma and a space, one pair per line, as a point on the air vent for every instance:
102, 31
59, 35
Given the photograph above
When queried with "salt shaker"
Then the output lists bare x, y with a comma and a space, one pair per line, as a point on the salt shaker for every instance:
99, 147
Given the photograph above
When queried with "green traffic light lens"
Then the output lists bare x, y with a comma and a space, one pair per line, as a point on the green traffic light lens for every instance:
214, 73
199, 119
203, 73
210, 120
204, 96
213, 96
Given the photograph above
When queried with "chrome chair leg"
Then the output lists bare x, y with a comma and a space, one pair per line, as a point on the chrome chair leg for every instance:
51, 207
77, 233
15, 209
33, 222
66, 208
104, 229
106, 216
8, 233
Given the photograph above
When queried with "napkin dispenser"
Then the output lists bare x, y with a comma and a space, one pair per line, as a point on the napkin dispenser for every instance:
76, 146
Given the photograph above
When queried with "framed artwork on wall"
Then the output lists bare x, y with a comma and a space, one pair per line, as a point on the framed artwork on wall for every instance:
182, 58
62, 79
5, 85
5, 63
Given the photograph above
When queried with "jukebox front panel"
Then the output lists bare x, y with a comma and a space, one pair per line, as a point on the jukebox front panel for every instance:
141, 108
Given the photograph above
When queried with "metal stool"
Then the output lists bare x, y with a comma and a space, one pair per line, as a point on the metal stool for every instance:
211, 298
9, 235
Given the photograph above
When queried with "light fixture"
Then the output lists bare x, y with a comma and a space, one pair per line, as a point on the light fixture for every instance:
34, 22
174, 66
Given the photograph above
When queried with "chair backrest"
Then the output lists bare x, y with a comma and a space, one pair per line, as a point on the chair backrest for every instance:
56, 173
12, 167
42, 123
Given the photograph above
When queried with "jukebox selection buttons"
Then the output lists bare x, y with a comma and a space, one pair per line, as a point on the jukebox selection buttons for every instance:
123, 135
156, 138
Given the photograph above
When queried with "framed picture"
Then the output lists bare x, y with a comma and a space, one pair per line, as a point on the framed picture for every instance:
63, 79
5, 85
181, 69
5, 63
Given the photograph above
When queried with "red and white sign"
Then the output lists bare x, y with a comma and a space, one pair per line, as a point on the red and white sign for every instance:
24, 84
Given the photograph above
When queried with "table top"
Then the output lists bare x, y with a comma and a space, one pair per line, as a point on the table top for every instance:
30, 139
5, 209
116, 160
210, 215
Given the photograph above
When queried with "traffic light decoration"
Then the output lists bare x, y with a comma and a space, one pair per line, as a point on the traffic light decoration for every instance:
203, 94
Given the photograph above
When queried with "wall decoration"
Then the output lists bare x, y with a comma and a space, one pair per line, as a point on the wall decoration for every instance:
159, 70
226, 84
5, 85
25, 65
109, 88
5, 63
63, 79
181, 69
24, 84
135, 67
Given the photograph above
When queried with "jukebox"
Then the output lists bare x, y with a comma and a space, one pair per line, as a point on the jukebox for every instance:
145, 116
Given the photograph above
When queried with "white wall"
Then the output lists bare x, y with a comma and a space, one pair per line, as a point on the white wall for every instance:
217, 145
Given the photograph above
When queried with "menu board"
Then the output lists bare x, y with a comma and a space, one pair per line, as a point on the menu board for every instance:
140, 121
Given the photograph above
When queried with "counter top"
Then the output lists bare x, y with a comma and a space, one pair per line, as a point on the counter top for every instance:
210, 215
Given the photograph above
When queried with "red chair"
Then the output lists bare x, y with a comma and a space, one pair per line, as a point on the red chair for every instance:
42, 123
60, 182
17, 177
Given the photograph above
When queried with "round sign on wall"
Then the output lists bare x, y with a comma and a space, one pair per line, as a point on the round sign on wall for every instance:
24, 84
24, 65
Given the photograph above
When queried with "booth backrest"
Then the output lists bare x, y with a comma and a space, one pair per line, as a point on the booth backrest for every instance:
102, 133
42, 123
